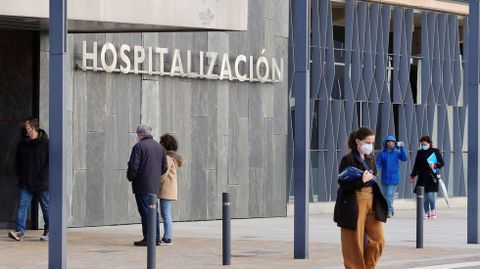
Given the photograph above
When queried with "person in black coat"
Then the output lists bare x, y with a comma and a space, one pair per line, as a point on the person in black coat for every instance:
426, 176
148, 162
360, 207
31, 165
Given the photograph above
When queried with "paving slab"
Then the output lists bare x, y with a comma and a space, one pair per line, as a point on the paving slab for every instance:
256, 243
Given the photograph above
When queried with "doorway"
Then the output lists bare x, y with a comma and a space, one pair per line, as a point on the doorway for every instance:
19, 99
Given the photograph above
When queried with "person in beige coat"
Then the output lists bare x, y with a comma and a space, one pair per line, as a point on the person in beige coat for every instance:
168, 186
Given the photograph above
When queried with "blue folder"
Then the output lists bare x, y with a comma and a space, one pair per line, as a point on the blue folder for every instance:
352, 173
433, 160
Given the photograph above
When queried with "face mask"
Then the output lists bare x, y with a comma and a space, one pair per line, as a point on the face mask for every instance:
424, 147
367, 148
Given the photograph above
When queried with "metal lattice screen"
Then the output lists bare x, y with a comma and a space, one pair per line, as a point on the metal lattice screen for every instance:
364, 73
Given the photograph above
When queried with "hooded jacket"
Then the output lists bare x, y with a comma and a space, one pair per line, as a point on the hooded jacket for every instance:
168, 181
31, 162
388, 162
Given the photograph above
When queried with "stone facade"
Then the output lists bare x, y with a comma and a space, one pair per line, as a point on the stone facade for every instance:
232, 135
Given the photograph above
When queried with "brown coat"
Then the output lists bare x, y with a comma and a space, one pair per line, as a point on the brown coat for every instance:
168, 181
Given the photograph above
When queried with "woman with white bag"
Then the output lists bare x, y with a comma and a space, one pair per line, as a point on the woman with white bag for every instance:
427, 174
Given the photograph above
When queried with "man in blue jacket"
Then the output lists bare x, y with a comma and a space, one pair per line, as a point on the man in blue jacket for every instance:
148, 162
388, 164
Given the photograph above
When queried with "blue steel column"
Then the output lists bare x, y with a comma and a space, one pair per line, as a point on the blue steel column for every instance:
301, 88
57, 248
473, 115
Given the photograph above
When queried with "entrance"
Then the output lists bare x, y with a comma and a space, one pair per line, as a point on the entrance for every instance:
19, 99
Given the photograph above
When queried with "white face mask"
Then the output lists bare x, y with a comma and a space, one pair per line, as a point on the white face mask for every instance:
367, 148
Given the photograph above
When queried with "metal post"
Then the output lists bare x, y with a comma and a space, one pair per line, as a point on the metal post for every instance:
473, 115
226, 232
301, 89
57, 247
152, 231
420, 193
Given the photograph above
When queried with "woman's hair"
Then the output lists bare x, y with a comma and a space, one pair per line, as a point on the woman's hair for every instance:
33, 122
169, 142
427, 139
360, 134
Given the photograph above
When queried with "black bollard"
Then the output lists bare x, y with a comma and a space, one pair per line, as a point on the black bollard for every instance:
420, 192
151, 231
226, 242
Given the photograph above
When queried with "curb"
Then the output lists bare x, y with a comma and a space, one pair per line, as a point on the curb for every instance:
400, 204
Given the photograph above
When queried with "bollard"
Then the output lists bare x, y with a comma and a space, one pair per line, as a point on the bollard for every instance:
420, 192
151, 231
226, 242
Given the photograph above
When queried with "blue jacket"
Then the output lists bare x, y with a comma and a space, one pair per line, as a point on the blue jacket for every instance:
388, 162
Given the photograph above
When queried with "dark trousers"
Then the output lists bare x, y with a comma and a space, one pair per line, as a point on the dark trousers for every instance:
142, 205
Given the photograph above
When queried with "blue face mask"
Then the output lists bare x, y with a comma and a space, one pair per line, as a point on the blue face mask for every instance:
425, 147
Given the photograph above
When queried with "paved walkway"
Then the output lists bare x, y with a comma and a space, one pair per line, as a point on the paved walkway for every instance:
257, 243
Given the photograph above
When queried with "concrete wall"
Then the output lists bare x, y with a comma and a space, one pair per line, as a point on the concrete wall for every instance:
16, 104
233, 135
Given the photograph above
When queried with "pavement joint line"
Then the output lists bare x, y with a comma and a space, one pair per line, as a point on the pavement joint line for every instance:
449, 266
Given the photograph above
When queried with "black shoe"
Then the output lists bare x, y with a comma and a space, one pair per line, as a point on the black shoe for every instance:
143, 243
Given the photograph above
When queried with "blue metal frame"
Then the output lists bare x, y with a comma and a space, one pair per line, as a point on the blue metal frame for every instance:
473, 111
57, 247
301, 89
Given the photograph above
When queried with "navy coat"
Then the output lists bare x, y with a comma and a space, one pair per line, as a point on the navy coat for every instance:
148, 162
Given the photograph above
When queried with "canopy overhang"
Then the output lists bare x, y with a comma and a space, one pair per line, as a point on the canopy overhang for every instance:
130, 16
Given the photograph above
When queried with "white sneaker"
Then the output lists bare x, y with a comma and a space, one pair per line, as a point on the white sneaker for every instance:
44, 237
165, 242
17, 236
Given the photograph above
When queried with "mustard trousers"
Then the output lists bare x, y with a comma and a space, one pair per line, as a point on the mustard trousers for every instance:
357, 253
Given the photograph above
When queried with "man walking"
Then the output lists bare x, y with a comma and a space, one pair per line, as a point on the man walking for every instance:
147, 164
388, 164
32, 170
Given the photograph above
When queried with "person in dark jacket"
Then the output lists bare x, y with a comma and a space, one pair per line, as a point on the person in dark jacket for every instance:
148, 162
360, 207
388, 164
31, 163
426, 177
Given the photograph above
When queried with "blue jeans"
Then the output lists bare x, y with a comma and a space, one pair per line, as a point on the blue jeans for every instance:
24, 200
389, 193
142, 205
166, 209
429, 203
